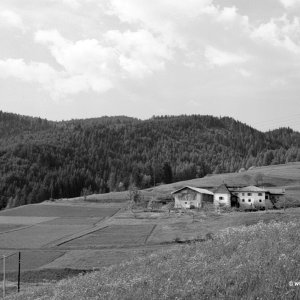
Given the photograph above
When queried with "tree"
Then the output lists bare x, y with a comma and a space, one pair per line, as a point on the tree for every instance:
134, 195
167, 173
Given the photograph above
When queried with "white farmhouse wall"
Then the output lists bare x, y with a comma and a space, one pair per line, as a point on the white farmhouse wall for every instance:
256, 199
222, 199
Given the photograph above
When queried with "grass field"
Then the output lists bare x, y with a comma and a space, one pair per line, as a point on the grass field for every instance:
254, 262
37, 210
115, 235
8, 227
31, 260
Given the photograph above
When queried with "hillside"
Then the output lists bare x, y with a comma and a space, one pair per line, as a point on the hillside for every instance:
238, 263
41, 159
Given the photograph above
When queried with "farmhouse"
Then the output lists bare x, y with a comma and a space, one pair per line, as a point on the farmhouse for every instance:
191, 197
249, 197
252, 197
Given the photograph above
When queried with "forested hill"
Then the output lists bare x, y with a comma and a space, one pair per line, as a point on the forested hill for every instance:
41, 159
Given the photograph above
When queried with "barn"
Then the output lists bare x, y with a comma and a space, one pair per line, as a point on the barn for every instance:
192, 197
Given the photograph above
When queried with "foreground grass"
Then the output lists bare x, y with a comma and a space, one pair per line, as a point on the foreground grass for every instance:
254, 262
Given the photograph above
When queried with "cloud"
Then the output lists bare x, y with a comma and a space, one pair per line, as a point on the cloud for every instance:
90, 65
220, 58
280, 32
245, 73
289, 3
140, 52
11, 19
87, 64
29, 72
174, 19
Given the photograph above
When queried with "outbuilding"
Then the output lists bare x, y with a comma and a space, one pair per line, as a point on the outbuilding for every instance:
192, 197
222, 196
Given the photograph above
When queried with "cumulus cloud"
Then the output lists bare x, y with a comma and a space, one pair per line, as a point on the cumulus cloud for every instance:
220, 58
289, 3
29, 72
173, 19
280, 32
140, 52
11, 19
90, 64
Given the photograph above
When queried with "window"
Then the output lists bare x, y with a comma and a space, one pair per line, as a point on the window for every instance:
185, 202
249, 200
249, 194
267, 197
243, 194
259, 194
221, 198
260, 200
243, 200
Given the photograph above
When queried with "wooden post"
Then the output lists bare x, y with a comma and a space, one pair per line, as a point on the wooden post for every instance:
19, 272
3, 277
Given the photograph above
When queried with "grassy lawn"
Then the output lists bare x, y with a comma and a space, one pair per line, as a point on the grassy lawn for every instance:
37, 236
202, 224
38, 210
30, 260
249, 262
7, 227
115, 235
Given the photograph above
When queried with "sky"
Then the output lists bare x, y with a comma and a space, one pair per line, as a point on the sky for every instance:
66, 59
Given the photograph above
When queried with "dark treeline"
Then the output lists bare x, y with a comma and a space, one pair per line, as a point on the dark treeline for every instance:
41, 160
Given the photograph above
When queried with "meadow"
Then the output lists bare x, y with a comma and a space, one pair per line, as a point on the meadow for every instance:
249, 262
69, 236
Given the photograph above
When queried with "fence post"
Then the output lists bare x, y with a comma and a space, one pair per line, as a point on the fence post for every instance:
3, 277
19, 272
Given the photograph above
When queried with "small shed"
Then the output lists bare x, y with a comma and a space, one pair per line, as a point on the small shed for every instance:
192, 197
222, 196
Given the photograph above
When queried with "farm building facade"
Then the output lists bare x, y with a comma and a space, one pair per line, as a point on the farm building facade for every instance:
191, 197
249, 197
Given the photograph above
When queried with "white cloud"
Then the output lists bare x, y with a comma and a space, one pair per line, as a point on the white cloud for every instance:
245, 73
88, 65
173, 19
222, 58
30, 72
140, 52
280, 32
289, 3
11, 19
228, 14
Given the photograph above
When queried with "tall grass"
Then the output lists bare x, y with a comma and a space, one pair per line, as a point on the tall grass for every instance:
254, 262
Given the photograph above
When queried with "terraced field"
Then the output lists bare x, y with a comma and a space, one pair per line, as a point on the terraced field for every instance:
36, 229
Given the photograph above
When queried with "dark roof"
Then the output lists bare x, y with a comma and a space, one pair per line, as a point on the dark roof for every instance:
198, 190
222, 189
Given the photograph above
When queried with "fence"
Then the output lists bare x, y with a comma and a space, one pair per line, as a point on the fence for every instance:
10, 272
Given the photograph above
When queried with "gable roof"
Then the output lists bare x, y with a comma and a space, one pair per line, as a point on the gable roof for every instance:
222, 189
198, 190
251, 188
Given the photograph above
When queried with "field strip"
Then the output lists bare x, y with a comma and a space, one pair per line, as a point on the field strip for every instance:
149, 235
17, 229
74, 236
24, 220
98, 226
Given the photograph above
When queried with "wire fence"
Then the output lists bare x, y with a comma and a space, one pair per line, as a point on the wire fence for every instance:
10, 272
